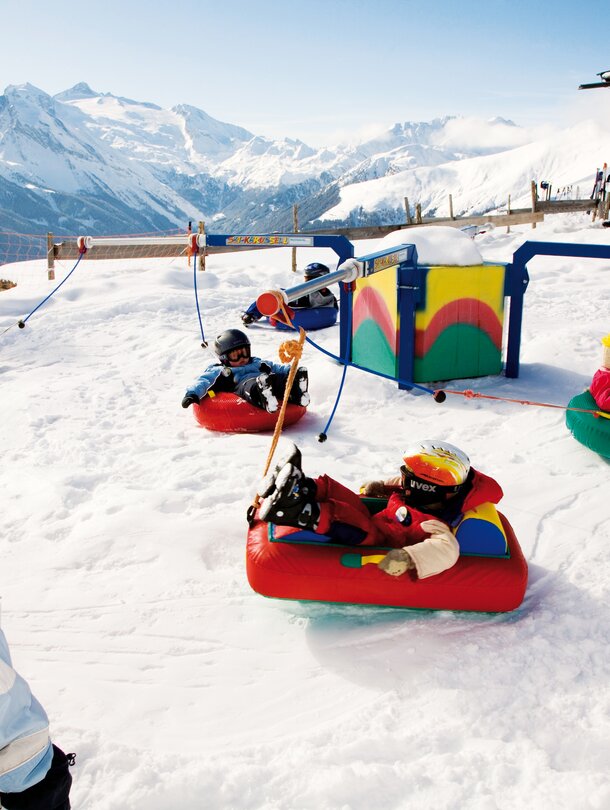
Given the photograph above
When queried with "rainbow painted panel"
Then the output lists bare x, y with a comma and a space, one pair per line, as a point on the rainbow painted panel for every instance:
458, 332
375, 322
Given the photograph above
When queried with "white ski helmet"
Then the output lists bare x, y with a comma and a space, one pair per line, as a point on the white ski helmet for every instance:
434, 470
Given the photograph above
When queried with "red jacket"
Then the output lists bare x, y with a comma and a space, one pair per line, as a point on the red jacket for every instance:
600, 388
344, 516
483, 489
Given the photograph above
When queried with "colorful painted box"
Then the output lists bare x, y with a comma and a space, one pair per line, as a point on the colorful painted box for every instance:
430, 323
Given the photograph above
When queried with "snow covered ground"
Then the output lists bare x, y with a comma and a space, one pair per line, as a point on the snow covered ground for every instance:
124, 594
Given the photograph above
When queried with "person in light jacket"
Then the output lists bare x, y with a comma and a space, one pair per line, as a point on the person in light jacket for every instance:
34, 772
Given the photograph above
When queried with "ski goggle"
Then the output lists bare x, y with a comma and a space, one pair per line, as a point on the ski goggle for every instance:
237, 354
421, 491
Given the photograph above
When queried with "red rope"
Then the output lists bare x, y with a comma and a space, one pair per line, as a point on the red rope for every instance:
469, 394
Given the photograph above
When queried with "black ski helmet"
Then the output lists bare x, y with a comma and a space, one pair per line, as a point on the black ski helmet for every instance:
315, 270
227, 341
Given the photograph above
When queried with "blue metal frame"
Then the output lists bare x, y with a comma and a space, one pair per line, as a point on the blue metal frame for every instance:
410, 296
404, 257
339, 244
517, 279
409, 280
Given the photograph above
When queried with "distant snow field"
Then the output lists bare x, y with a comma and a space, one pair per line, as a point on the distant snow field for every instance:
124, 593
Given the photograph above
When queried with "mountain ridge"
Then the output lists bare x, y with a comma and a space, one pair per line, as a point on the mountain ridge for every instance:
132, 166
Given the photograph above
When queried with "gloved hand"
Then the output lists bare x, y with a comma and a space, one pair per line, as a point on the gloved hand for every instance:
373, 489
247, 319
438, 528
396, 562
265, 368
190, 399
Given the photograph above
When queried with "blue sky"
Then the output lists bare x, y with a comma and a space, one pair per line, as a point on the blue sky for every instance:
323, 69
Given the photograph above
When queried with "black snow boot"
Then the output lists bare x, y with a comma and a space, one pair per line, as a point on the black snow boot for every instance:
265, 393
299, 393
289, 496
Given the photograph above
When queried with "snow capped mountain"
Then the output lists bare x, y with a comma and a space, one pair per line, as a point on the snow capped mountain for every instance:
48, 148
478, 184
85, 159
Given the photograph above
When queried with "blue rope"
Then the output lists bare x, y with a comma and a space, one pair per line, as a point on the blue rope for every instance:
25, 320
203, 340
410, 383
324, 435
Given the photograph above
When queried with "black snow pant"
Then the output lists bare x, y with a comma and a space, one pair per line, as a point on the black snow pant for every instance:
51, 793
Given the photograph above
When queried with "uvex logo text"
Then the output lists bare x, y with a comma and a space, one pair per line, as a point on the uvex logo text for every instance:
419, 485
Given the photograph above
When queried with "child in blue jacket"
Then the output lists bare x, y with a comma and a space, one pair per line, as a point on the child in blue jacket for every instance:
262, 383
33, 772
313, 300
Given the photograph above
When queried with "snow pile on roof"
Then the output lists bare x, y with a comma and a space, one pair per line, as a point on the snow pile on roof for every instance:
436, 245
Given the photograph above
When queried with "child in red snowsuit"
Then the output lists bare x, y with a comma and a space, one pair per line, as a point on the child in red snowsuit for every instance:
436, 486
600, 385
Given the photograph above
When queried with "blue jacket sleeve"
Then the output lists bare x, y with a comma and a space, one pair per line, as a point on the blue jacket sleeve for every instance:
25, 747
281, 369
254, 311
206, 380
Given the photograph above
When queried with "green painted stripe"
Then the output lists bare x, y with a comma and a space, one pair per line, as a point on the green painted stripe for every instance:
371, 349
460, 351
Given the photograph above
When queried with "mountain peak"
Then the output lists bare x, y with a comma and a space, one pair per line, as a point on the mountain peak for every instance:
80, 90
26, 90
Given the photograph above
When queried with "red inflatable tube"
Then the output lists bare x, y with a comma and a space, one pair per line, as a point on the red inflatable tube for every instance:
331, 573
228, 413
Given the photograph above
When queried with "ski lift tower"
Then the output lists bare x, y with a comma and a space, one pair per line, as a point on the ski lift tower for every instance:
605, 81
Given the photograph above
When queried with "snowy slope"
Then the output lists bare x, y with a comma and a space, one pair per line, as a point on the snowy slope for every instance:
124, 595
482, 184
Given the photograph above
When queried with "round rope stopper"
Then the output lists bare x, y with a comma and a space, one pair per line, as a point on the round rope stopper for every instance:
268, 303
289, 350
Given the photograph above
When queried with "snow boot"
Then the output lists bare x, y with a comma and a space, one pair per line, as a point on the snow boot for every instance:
267, 485
299, 393
265, 390
290, 499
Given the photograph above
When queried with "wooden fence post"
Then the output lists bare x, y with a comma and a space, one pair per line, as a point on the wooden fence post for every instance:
508, 212
534, 199
50, 257
295, 225
408, 212
202, 251
418, 213
451, 207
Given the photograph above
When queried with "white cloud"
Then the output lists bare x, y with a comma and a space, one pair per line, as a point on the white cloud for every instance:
493, 134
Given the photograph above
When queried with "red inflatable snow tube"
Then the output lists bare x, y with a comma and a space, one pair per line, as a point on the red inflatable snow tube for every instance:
228, 413
331, 573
